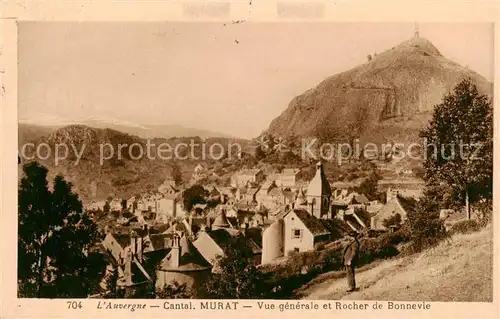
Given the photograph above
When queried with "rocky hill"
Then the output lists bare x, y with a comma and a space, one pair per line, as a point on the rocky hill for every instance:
117, 176
390, 97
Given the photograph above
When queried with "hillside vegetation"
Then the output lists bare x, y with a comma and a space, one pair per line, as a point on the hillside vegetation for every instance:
460, 269
118, 176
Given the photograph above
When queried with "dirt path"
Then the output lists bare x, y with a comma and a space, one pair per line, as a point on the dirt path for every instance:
458, 270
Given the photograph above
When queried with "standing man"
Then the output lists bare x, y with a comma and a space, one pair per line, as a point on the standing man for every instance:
350, 258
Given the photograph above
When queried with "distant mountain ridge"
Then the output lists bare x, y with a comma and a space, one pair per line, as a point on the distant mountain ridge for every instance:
390, 97
143, 131
119, 175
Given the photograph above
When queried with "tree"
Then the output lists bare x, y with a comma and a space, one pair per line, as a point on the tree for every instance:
290, 158
424, 228
196, 194
54, 237
124, 204
176, 173
107, 207
368, 187
394, 220
174, 291
259, 153
111, 282
238, 277
460, 145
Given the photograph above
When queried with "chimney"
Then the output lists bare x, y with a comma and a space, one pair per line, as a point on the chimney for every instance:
133, 242
166, 242
128, 268
140, 248
136, 245
175, 253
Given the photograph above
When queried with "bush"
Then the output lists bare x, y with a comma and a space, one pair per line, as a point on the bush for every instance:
174, 290
394, 220
424, 228
376, 248
302, 267
465, 227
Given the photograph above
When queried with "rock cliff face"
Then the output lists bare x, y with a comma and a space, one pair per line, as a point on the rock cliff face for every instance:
396, 90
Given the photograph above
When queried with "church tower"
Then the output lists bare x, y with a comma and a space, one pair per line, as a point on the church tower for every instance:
319, 194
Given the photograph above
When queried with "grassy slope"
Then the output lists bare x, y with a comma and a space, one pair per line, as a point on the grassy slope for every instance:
458, 270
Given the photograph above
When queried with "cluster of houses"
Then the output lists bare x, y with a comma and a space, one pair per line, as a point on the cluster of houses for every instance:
154, 240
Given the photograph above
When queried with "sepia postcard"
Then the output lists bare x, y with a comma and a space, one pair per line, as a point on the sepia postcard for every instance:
213, 159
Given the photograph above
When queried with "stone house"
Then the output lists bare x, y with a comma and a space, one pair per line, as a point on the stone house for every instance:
297, 231
243, 177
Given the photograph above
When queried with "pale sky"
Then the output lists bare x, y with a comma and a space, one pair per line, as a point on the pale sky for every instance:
233, 79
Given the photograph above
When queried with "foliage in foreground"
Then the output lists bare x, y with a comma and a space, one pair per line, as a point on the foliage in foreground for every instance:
465, 227
238, 277
460, 151
54, 237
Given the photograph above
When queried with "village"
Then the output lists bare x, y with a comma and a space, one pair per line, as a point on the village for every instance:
154, 239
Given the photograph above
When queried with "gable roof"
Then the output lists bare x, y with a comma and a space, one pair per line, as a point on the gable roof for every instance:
221, 220
279, 213
312, 223
336, 227
139, 274
158, 241
245, 206
159, 228
361, 199
408, 204
123, 240
233, 221
255, 233
190, 258
220, 236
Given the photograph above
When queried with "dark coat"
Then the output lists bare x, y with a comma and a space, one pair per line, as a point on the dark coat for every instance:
350, 254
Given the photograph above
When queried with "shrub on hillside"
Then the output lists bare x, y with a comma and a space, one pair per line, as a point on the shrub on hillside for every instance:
424, 228
394, 220
301, 267
465, 227
484, 209
376, 248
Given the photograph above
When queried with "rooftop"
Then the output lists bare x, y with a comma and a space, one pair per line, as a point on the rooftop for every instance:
190, 259
312, 223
